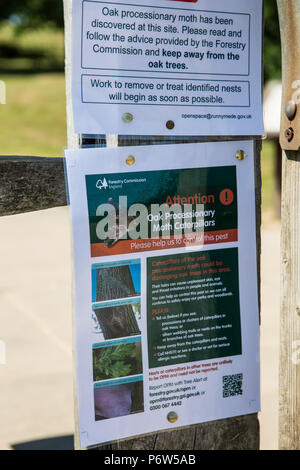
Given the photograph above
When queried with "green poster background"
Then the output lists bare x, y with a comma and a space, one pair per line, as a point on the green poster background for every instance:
195, 316
158, 185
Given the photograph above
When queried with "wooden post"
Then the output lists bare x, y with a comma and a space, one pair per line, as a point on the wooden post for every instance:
240, 433
289, 380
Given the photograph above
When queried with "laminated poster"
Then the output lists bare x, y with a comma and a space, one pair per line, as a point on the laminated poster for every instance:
167, 322
167, 67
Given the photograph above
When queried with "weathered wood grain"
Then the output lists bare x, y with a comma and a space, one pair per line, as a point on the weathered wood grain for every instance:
289, 374
240, 433
31, 184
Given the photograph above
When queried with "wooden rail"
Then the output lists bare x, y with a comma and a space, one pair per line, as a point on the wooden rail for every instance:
31, 184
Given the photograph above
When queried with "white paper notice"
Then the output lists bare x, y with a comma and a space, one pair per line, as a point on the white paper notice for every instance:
167, 323
175, 68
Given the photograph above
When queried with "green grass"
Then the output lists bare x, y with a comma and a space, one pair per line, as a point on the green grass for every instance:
268, 169
33, 122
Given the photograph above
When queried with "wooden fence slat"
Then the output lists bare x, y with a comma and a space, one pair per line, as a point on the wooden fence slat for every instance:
31, 184
289, 374
239, 433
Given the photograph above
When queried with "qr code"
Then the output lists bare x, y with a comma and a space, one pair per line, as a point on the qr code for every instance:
232, 385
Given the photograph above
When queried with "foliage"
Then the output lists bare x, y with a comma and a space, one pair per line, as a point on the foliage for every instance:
41, 50
272, 50
33, 13
117, 361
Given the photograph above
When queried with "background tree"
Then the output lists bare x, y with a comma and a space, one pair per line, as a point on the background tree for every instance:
272, 50
33, 13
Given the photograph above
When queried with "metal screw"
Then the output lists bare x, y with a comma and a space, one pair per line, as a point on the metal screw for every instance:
170, 125
172, 417
127, 118
291, 110
130, 160
289, 134
240, 155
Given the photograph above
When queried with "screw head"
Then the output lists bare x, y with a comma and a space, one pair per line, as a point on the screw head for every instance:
291, 110
130, 160
170, 125
289, 134
172, 417
240, 155
127, 118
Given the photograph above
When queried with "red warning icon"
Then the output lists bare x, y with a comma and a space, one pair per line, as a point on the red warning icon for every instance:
226, 197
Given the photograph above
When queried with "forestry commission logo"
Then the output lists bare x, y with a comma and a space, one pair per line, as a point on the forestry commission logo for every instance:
114, 184
102, 184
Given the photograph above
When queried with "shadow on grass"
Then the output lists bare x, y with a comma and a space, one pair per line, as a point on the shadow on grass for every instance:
54, 443
18, 60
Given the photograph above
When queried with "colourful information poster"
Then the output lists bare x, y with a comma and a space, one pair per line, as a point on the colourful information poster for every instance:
167, 323
167, 67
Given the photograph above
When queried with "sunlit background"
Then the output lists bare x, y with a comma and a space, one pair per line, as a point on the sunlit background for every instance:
32, 64
35, 302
